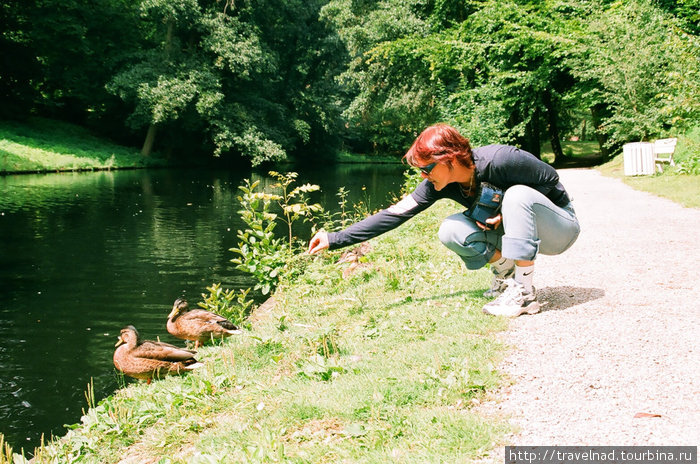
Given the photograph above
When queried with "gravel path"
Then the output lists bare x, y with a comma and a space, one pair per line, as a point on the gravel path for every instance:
619, 335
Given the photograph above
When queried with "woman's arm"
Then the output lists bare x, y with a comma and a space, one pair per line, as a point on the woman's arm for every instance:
385, 220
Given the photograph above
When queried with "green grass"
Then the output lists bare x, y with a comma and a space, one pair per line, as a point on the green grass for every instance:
42, 145
355, 158
384, 366
680, 183
572, 149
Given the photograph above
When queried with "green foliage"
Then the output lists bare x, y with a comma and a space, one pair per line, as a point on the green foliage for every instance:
263, 80
518, 72
260, 252
389, 103
294, 203
633, 61
234, 306
245, 79
411, 180
687, 153
339, 219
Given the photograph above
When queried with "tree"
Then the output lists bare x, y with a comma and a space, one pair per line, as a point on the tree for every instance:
237, 78
637, 72
61, 53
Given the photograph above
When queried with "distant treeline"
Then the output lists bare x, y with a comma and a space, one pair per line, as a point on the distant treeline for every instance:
266, 80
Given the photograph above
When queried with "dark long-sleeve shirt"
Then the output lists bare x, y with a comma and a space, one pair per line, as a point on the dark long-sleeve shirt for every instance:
500, 165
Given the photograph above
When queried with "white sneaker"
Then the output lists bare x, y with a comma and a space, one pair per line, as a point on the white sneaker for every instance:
514, 301
498, 284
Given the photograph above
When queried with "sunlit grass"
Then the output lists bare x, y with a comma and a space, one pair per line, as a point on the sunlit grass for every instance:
45, 145
683, 189
384, 366
679, 187
572, 149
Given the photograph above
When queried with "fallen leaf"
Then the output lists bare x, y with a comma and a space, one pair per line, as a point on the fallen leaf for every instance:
645, 414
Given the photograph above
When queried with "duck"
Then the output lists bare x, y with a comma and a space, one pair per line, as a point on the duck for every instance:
146, 359
198, 325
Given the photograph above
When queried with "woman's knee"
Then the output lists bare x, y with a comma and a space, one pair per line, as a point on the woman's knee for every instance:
474, 246
518, 197
454, 230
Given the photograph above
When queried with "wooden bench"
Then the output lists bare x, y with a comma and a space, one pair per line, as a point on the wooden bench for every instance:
664, 147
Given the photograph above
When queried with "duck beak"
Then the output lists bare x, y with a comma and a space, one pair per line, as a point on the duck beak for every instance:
173, 313
120, 341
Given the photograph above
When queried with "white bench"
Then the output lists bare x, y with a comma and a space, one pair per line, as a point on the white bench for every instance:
664, 147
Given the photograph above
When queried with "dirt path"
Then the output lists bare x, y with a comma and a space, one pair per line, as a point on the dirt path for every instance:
620, 333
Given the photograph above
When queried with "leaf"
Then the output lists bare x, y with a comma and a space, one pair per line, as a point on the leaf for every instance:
640, 415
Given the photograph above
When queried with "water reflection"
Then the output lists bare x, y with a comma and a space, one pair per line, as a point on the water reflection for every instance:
82, 255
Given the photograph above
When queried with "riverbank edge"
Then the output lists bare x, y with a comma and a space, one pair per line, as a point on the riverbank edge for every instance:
43, 146
376, 323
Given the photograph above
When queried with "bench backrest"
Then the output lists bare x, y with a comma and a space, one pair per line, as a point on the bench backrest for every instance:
665, 145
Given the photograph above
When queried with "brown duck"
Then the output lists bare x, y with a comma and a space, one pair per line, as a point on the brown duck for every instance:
197, 324
145, 359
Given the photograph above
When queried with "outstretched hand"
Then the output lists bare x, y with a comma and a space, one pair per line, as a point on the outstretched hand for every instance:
318, 243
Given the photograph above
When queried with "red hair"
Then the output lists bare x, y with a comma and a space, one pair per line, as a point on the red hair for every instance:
440, 143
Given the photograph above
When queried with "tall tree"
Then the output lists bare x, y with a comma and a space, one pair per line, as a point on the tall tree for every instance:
61, 53
637, 71
240, 78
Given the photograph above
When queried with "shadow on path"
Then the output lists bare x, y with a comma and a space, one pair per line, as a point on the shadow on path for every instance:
566, 296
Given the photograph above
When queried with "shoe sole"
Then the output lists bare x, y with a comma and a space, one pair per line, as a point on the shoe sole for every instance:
532, 308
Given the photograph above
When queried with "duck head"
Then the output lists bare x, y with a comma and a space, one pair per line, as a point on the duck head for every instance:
128, 335
179, 307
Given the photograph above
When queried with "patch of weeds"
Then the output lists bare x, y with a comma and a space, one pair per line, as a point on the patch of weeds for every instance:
371, 328
318, 367
282, 323
5, 451
362, 413
364, 275
266, 351
266, 446
232, 305
392, 282
406, 393
303, 412
356, 309
421, 328
325, 343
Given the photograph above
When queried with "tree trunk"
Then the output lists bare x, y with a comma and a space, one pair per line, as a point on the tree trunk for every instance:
532, 135
552, 127
148, 143
583, 130
152, 129
597, 115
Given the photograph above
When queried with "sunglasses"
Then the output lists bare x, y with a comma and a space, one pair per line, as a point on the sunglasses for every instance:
427, 168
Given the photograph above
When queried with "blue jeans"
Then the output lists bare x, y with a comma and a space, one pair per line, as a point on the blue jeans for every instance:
531, 224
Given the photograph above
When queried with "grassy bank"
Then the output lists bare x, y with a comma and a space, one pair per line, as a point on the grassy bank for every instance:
383, 366
680, 183
41, 145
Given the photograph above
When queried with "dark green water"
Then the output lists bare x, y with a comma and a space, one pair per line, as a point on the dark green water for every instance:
83, 254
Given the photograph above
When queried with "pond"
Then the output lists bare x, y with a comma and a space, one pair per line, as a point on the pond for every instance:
84, 254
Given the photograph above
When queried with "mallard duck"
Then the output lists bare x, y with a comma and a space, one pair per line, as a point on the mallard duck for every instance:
197, 324
146, 359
